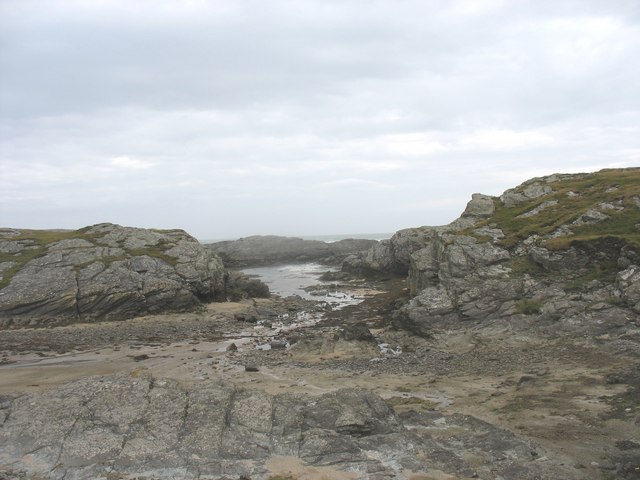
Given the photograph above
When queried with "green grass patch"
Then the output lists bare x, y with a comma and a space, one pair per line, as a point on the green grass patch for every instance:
603, 272
524, 265
575, 196
20, 260
156, 252
411, 403
528, 307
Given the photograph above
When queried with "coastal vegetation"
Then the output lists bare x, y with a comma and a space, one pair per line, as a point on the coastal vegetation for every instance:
613, 193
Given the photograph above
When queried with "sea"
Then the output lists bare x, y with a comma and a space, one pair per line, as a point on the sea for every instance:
293, 279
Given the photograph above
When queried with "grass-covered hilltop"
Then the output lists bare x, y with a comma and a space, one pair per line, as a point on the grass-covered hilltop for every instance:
585, 225
558, 210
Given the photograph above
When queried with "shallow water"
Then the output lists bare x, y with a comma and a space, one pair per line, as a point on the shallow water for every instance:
292, 279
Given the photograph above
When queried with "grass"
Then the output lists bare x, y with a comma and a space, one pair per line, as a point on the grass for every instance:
19, 260
411, 403
606, 186
524, 265
156, 252
604, 272
528, 307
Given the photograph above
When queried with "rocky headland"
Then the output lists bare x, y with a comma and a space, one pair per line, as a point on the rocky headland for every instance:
272, 249
505, 345
563, 248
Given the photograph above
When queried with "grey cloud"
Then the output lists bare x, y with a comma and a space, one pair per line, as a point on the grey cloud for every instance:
304, 116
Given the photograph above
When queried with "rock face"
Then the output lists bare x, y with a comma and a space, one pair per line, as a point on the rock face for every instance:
102, 272
270, 249
137, 426
560, 247
394, 255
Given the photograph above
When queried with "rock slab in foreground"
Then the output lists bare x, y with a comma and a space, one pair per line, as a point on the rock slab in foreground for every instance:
102, 272
137, 426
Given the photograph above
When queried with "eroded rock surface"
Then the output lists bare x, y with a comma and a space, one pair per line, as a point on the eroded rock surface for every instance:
137, 426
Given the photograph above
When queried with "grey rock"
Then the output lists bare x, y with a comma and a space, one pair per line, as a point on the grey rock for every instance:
107, 272
495, 233
378, 259
395, 255
480, 205
466, 254
239, 285
524, 193
431, 301
137, 426
350, 340
628, 281
590, 217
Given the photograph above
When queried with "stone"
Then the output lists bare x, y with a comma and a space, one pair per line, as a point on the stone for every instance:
590, 217
628, 281
432, 301
523, 193
278, 345
480, 205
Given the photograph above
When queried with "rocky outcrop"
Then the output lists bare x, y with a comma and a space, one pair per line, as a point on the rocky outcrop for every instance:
102, 272
137, 426
270, 249
528, 252
394, 255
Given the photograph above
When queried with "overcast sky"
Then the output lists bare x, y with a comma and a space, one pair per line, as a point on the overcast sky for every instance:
236, 117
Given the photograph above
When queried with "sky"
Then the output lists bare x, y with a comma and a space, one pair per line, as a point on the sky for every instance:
230, 118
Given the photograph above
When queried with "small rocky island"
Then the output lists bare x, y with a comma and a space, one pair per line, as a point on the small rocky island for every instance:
505, 345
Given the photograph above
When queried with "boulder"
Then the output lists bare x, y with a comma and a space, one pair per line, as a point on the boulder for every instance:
350, 340
528, 191
480, 206
239, 285
103, 272
628, 281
